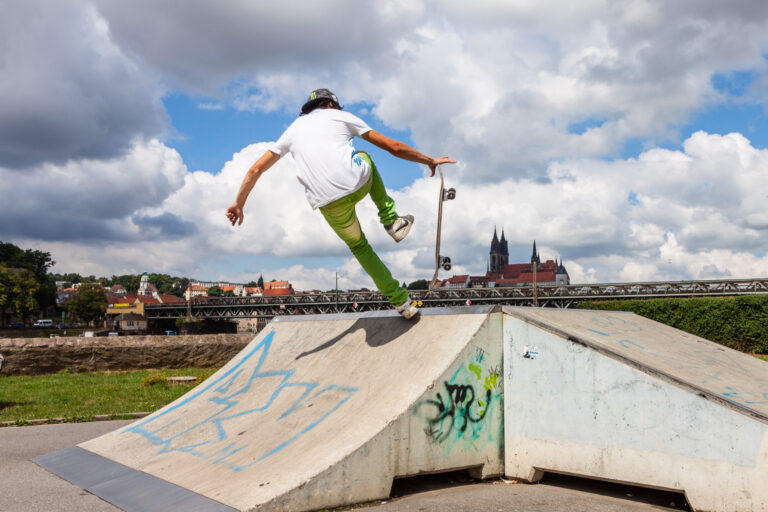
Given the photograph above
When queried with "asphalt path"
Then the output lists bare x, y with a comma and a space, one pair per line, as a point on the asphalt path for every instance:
26, 487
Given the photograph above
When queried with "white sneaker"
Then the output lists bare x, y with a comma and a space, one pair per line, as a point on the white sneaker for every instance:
400, 228
407, 309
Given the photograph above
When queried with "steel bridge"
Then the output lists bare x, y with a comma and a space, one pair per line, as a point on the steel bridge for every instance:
563, 296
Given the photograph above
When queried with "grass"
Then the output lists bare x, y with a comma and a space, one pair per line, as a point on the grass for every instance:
764, 357
81, 396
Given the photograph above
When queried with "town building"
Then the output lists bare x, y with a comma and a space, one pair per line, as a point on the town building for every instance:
502, 273
278, 288
125, 311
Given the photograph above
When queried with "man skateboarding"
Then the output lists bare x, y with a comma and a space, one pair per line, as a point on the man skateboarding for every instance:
336, 177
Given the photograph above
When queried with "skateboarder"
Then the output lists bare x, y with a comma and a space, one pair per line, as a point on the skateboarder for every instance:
336, 177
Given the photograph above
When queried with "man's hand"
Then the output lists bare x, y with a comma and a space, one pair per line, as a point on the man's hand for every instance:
440, 161
235, 214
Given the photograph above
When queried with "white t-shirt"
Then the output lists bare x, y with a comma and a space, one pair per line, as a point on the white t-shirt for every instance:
321, 145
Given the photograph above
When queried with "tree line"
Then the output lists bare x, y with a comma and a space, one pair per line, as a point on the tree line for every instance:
26, 287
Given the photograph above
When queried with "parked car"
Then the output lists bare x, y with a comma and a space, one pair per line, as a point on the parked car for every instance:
16, 325
170, 333
44, 323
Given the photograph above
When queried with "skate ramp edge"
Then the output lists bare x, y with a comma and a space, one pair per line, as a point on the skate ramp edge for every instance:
615, 396
316, 412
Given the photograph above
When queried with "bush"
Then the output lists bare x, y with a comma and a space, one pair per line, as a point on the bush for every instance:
736, 322
154, 379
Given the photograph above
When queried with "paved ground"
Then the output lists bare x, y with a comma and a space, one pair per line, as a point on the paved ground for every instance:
25, 487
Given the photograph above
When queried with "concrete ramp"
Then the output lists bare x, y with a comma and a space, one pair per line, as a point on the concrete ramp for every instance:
618, 397
316, 412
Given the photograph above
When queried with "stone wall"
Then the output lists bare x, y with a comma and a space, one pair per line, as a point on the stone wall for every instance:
29, 356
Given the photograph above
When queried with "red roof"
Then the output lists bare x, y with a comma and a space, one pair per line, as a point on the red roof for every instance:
120, 300
546, 276
457, 279
276, 284
278, 291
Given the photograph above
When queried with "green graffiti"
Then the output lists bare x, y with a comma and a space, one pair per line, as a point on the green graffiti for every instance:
491, 381
463, 412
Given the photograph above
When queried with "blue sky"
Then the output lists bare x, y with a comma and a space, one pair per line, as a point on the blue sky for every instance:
206, 138
630, 139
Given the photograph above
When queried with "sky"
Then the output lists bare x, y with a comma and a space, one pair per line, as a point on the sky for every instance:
629, 137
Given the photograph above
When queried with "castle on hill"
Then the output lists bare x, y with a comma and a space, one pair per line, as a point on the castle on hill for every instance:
502, 273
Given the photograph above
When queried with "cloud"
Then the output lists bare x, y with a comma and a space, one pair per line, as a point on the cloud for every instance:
689, 220
90, 200
204, 45
66, 90
536, 101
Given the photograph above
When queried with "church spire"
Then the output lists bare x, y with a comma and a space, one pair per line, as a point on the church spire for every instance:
503, 247
495, 241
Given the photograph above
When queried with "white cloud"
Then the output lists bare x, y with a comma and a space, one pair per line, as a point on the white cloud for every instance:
66, 90
687, 221
535, 100
91, 200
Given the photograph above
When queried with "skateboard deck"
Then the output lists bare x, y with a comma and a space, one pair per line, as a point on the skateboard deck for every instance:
441, 261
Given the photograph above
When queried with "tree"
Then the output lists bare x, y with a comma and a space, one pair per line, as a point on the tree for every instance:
228, 293
260, 282
36, 262
252, 284
421, 284
89, 303
180, 285
18, 292
214, 291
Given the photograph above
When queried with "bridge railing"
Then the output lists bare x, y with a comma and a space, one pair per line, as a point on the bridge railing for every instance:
560, 296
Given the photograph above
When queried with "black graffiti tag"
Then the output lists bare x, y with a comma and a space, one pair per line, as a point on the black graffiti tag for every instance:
454, 412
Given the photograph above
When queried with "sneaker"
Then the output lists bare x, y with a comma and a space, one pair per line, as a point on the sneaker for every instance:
407, 309
400, 228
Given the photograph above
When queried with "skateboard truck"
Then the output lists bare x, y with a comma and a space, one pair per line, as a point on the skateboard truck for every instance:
449, 194
445, 262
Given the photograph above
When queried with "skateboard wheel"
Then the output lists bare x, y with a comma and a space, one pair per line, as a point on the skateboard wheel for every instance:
446, 266
451, 194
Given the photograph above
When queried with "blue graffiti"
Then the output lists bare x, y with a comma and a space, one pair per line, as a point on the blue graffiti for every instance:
624, 343
746, 397
226, 394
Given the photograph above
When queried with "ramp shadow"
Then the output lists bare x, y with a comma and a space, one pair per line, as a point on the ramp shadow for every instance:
376, 334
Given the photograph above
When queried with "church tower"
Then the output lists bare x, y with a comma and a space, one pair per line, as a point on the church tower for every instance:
535, 259
499, 252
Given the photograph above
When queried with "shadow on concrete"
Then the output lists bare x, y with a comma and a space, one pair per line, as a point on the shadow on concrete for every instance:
375, 333
666, 500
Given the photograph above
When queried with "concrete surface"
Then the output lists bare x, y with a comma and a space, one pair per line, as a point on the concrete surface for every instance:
26, 487
616, 396
324, 411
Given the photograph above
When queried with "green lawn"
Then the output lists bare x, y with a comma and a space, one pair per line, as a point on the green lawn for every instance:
80, 397
764, 357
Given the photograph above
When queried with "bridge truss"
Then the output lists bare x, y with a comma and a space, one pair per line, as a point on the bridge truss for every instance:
546, 296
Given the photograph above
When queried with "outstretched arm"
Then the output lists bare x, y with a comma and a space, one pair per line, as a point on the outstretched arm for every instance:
267, 160
405, 151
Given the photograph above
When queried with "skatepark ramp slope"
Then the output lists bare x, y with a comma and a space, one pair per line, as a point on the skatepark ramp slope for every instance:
324, 411
316, 412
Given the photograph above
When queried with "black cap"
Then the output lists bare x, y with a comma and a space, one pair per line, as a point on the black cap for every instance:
317, 97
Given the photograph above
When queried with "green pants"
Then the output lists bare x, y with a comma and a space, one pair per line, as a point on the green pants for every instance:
342, 218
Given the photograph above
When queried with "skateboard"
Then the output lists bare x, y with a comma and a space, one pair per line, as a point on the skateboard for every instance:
441, 261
